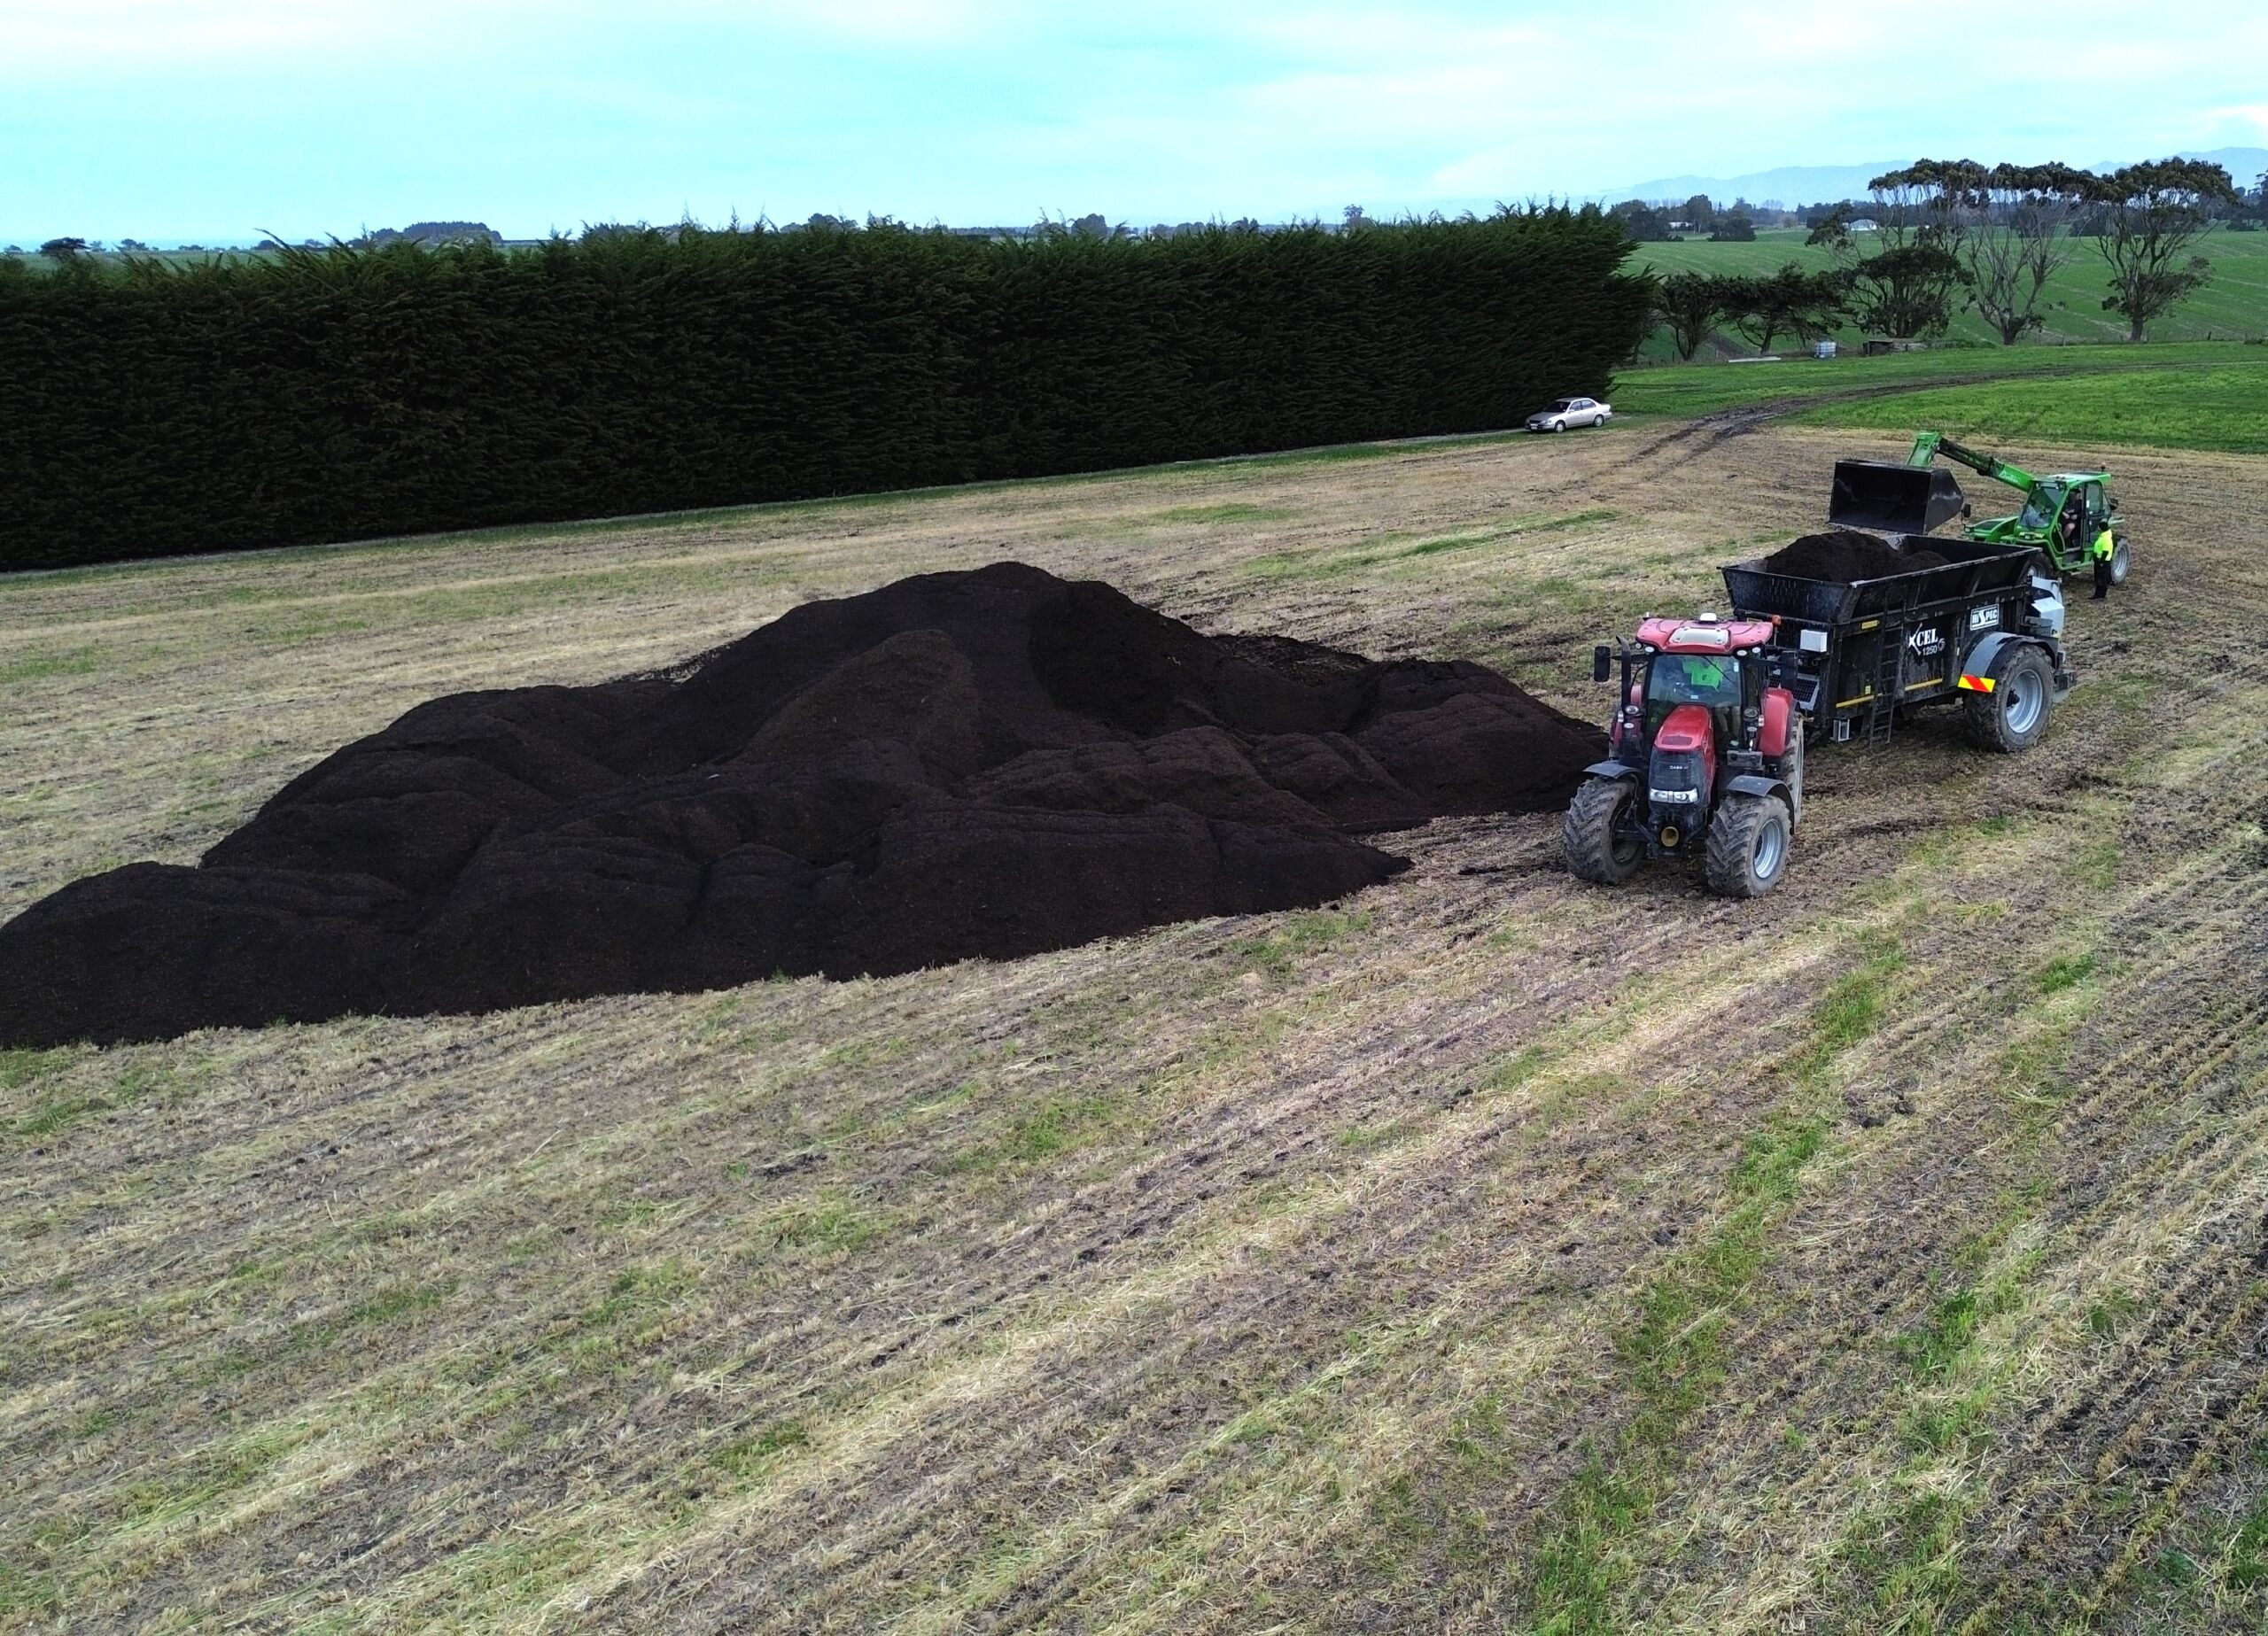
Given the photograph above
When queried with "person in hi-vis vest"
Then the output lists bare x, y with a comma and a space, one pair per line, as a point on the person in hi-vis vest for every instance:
2104, 544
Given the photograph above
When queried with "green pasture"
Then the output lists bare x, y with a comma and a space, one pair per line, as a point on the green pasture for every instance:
1703, 387
2222, 408
2193, 395
2234, 306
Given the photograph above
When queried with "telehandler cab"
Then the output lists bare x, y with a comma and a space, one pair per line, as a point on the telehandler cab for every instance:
2062, 514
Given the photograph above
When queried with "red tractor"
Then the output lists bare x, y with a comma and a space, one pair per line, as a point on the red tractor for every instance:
1707, 756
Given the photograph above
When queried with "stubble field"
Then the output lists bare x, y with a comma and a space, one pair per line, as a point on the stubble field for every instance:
1488, 1251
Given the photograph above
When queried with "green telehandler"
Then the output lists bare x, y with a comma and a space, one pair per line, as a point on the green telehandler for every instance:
2061, 514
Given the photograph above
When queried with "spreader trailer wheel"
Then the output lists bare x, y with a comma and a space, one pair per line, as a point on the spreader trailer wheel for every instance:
1601, 834
2012, 715
1748, 845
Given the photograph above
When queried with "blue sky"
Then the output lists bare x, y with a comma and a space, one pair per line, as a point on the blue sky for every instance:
214, 120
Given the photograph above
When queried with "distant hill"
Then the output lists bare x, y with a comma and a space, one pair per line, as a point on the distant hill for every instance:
1795, 185
1791, 184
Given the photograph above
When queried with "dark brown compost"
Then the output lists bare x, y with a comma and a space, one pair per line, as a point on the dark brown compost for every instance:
990, 763
1847, 556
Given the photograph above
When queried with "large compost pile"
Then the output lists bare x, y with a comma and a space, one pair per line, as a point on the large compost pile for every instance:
1848, 555
990, 763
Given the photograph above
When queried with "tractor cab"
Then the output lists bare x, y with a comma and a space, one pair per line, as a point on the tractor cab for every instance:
2062, 516
2043, 509
1707, 756
1697, 666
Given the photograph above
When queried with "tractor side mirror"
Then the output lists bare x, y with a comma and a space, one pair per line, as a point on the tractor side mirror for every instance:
1602, 662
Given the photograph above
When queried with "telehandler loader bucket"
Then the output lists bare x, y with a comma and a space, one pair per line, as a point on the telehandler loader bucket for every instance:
1892, 499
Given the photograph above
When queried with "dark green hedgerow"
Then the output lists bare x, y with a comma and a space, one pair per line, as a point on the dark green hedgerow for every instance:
310, 395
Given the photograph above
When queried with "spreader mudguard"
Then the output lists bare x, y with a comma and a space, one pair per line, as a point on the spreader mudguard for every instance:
1982, 659
1893, 499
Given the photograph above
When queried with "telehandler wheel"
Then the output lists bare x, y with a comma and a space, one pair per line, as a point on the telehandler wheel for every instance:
1748, 845
2014, 715
1601, 836
2121, 564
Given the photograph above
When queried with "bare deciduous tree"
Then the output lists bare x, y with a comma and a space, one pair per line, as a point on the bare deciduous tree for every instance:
2019, 218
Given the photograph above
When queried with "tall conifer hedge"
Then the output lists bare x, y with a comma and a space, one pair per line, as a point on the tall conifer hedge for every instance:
342, 394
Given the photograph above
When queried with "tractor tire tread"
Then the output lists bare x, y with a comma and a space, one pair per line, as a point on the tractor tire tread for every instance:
1588, 834
1731, 859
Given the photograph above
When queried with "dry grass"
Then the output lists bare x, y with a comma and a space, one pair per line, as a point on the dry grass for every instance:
1484, 1253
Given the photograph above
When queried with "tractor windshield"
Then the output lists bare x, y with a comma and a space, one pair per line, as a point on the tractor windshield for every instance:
1693, 678
2040, 506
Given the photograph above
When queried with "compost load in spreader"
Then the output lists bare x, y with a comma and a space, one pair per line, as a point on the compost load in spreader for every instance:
1848, 556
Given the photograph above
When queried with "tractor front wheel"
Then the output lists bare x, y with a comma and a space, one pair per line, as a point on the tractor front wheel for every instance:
1748, 845
2014, 715
2121, 564
1602, 836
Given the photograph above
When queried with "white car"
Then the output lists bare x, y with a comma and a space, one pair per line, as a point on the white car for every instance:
1568, 413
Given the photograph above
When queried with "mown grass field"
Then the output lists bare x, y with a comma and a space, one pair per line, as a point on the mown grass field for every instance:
2232, 306
1484, 1253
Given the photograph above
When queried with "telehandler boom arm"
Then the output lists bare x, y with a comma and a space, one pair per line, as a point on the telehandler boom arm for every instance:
1928, 445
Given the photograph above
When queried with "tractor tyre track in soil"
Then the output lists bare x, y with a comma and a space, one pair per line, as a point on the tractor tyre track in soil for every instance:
1267, 1268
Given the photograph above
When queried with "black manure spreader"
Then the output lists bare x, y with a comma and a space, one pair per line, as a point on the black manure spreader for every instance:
1709, 727
1984, 627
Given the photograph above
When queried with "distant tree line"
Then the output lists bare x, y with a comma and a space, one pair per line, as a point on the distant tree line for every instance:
1667, 223
433, 232
343, 393
1946, 237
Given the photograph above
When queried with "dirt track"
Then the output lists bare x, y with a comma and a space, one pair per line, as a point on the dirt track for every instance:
1485, 1249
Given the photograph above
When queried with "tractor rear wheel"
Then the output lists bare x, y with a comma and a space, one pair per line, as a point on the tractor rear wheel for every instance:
2014, 715
1601, 836
1748, 845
